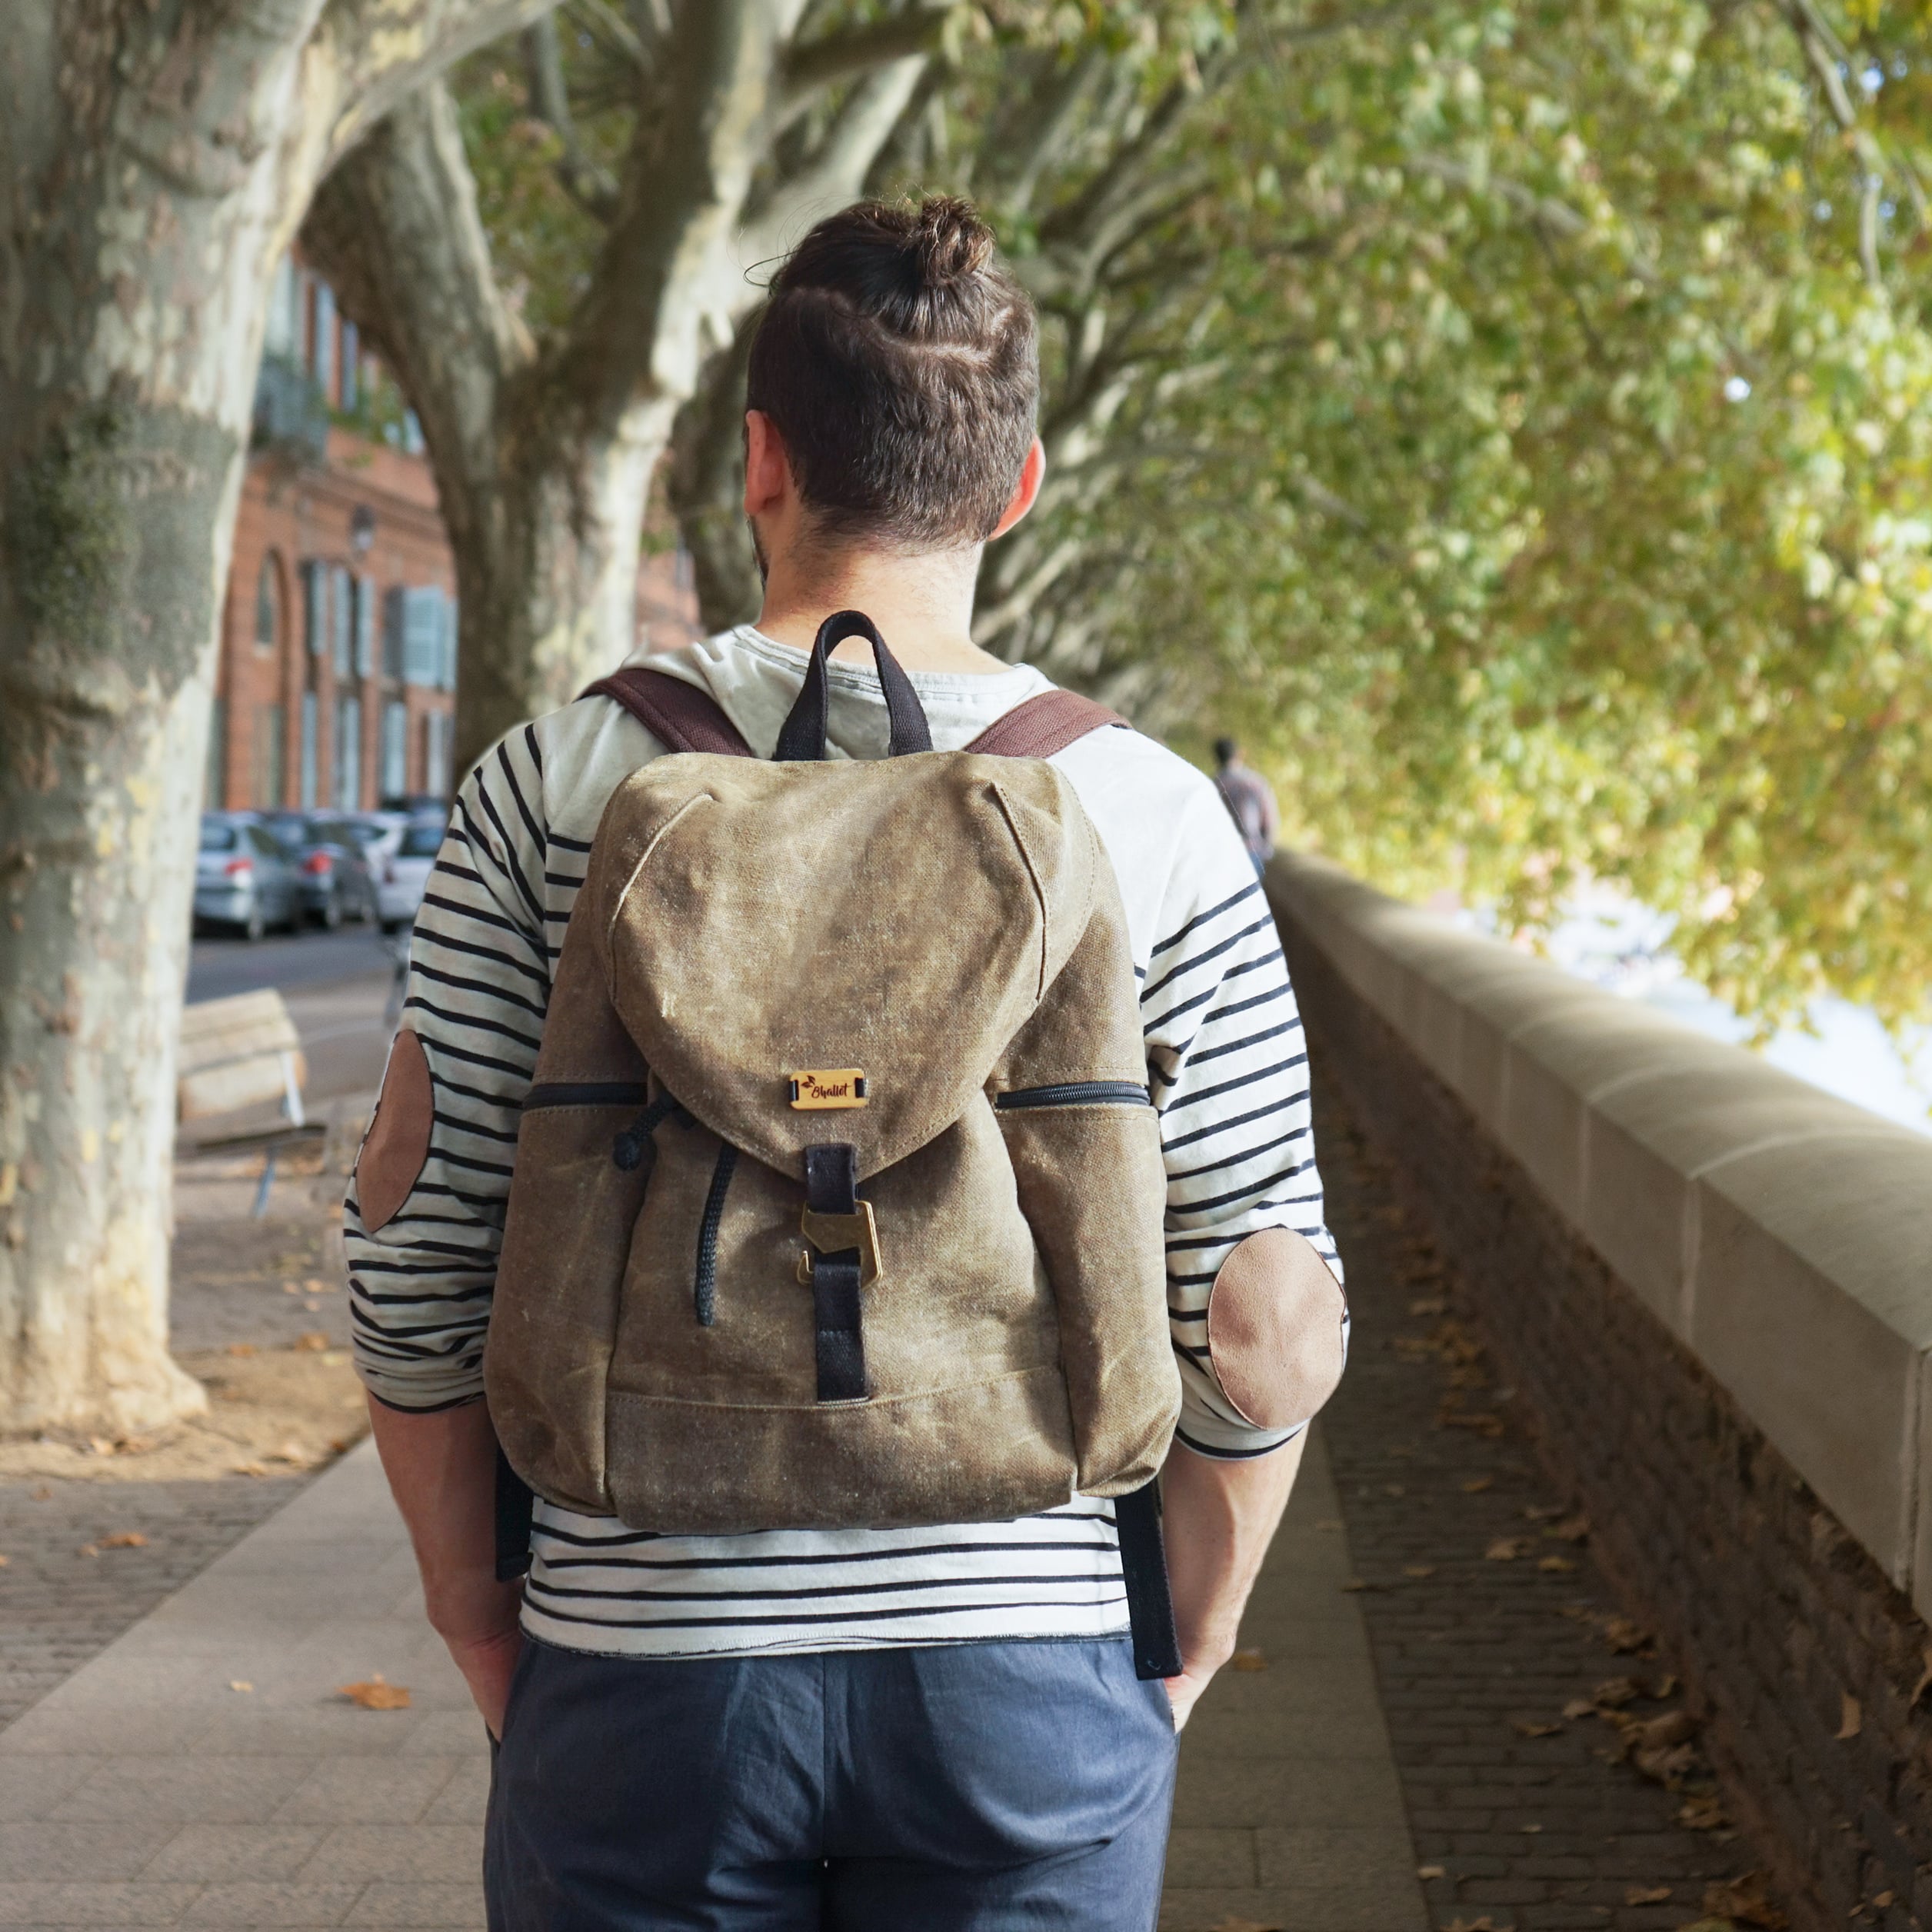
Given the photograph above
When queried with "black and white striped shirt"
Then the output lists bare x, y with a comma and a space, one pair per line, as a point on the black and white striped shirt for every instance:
1227, 1068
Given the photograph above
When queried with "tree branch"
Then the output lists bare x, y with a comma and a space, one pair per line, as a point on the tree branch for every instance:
589, 185
810, 68
397, 231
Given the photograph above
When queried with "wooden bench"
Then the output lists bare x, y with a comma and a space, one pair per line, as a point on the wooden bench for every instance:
240, 1052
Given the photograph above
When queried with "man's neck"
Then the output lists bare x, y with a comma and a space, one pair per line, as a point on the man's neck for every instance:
923, 605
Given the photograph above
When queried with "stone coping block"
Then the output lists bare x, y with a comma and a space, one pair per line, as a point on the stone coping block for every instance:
1784, 1236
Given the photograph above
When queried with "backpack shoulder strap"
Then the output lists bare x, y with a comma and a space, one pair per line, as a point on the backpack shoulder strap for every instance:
1043, 725
686, 718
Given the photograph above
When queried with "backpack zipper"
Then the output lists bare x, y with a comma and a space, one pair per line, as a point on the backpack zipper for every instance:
1073, 1093
587, 1093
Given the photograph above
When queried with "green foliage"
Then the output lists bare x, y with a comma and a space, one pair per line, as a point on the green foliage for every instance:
1484, 545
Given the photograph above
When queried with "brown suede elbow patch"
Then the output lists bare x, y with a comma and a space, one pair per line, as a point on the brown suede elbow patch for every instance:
397, 1143
1275, 1329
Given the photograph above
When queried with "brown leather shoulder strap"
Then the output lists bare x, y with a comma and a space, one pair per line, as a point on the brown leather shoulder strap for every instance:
1043, 725
686, 718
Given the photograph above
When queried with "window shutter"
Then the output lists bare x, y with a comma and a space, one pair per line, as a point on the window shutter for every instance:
315, 607
422, 635
342, 621
364, 627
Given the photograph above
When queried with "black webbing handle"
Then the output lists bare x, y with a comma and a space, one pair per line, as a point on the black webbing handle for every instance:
1144, 1568
803, 734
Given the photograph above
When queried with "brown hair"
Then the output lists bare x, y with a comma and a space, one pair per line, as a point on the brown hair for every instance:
899, 361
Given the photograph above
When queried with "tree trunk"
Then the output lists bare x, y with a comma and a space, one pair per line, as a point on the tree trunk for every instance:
154, 161
547, 570
707, 489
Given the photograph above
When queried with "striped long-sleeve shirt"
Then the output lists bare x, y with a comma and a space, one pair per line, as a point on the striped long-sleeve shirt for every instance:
1227, 1069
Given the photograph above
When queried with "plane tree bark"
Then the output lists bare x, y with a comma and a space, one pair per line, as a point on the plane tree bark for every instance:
749, 119
154, 161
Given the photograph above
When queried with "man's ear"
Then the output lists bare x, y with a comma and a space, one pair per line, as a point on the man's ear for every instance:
1033, 473
767, 470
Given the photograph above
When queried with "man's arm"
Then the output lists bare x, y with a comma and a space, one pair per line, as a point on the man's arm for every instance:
442, 1468
1228, 1066
1221, 1517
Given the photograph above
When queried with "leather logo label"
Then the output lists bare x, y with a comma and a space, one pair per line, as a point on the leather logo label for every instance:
816, 1089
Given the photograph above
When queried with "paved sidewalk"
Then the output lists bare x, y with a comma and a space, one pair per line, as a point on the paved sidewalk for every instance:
148, 1790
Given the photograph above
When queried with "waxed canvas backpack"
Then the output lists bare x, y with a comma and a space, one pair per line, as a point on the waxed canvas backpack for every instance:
837, 1199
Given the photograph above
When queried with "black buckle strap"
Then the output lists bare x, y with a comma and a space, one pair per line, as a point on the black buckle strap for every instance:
831, 1188
1143, 1569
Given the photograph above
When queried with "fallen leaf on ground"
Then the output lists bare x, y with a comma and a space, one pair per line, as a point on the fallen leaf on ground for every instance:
1506, 1549
291, 1287
1556, 1566
1667, 1727
120, 1539
1702, 1814
1572, 1529
1528, 1728
1665, 1686
315, 1285
240, 1683
1481, 1420
1710, 1925
1485, 1923
1430, 1304
1476, 1484
1748, 1900
1646, 1895
1882, 1900
101, 1445
250, 1469
314, 1340
1247, 1660
374, 1694
1542, 1512
241, 1348
1418, 1571
1851, 1719
1578, 1707
1615, 1692
4, 1561
1432, 1871
1624, 1635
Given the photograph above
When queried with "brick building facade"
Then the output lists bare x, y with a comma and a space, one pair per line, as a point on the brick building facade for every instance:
337, 671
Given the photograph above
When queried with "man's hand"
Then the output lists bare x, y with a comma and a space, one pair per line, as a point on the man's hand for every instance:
1219, 1517
442, 1469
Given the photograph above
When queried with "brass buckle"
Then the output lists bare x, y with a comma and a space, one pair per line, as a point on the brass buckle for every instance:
833, 1233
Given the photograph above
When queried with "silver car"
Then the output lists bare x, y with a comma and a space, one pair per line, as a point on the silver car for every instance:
244, 877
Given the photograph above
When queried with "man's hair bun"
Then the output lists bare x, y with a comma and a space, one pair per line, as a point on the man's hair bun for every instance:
949, 240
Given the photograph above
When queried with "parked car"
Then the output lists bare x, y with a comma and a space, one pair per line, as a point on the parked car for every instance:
404, 872
337, 881
245, 877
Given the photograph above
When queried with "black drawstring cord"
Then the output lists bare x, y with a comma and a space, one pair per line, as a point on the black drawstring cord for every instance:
704, 1290
630, 1147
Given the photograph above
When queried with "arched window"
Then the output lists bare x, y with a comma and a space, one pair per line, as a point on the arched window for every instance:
267, 604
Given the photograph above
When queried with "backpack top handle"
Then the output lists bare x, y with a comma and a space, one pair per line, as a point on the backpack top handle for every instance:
803, 734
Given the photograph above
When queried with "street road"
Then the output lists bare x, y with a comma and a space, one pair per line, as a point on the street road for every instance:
217, 968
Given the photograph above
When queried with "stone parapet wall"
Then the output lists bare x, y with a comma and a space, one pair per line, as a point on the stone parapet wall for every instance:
1712, 1284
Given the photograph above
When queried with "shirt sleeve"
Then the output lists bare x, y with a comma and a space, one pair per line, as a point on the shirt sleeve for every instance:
479, 981
1228, 1069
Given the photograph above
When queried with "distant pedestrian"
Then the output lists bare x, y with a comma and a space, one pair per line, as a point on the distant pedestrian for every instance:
1250, 801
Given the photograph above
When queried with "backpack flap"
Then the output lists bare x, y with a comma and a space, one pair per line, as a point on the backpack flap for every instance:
896, 920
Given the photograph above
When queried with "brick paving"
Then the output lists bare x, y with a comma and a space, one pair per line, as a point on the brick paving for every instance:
1487, 1619
59, 1605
